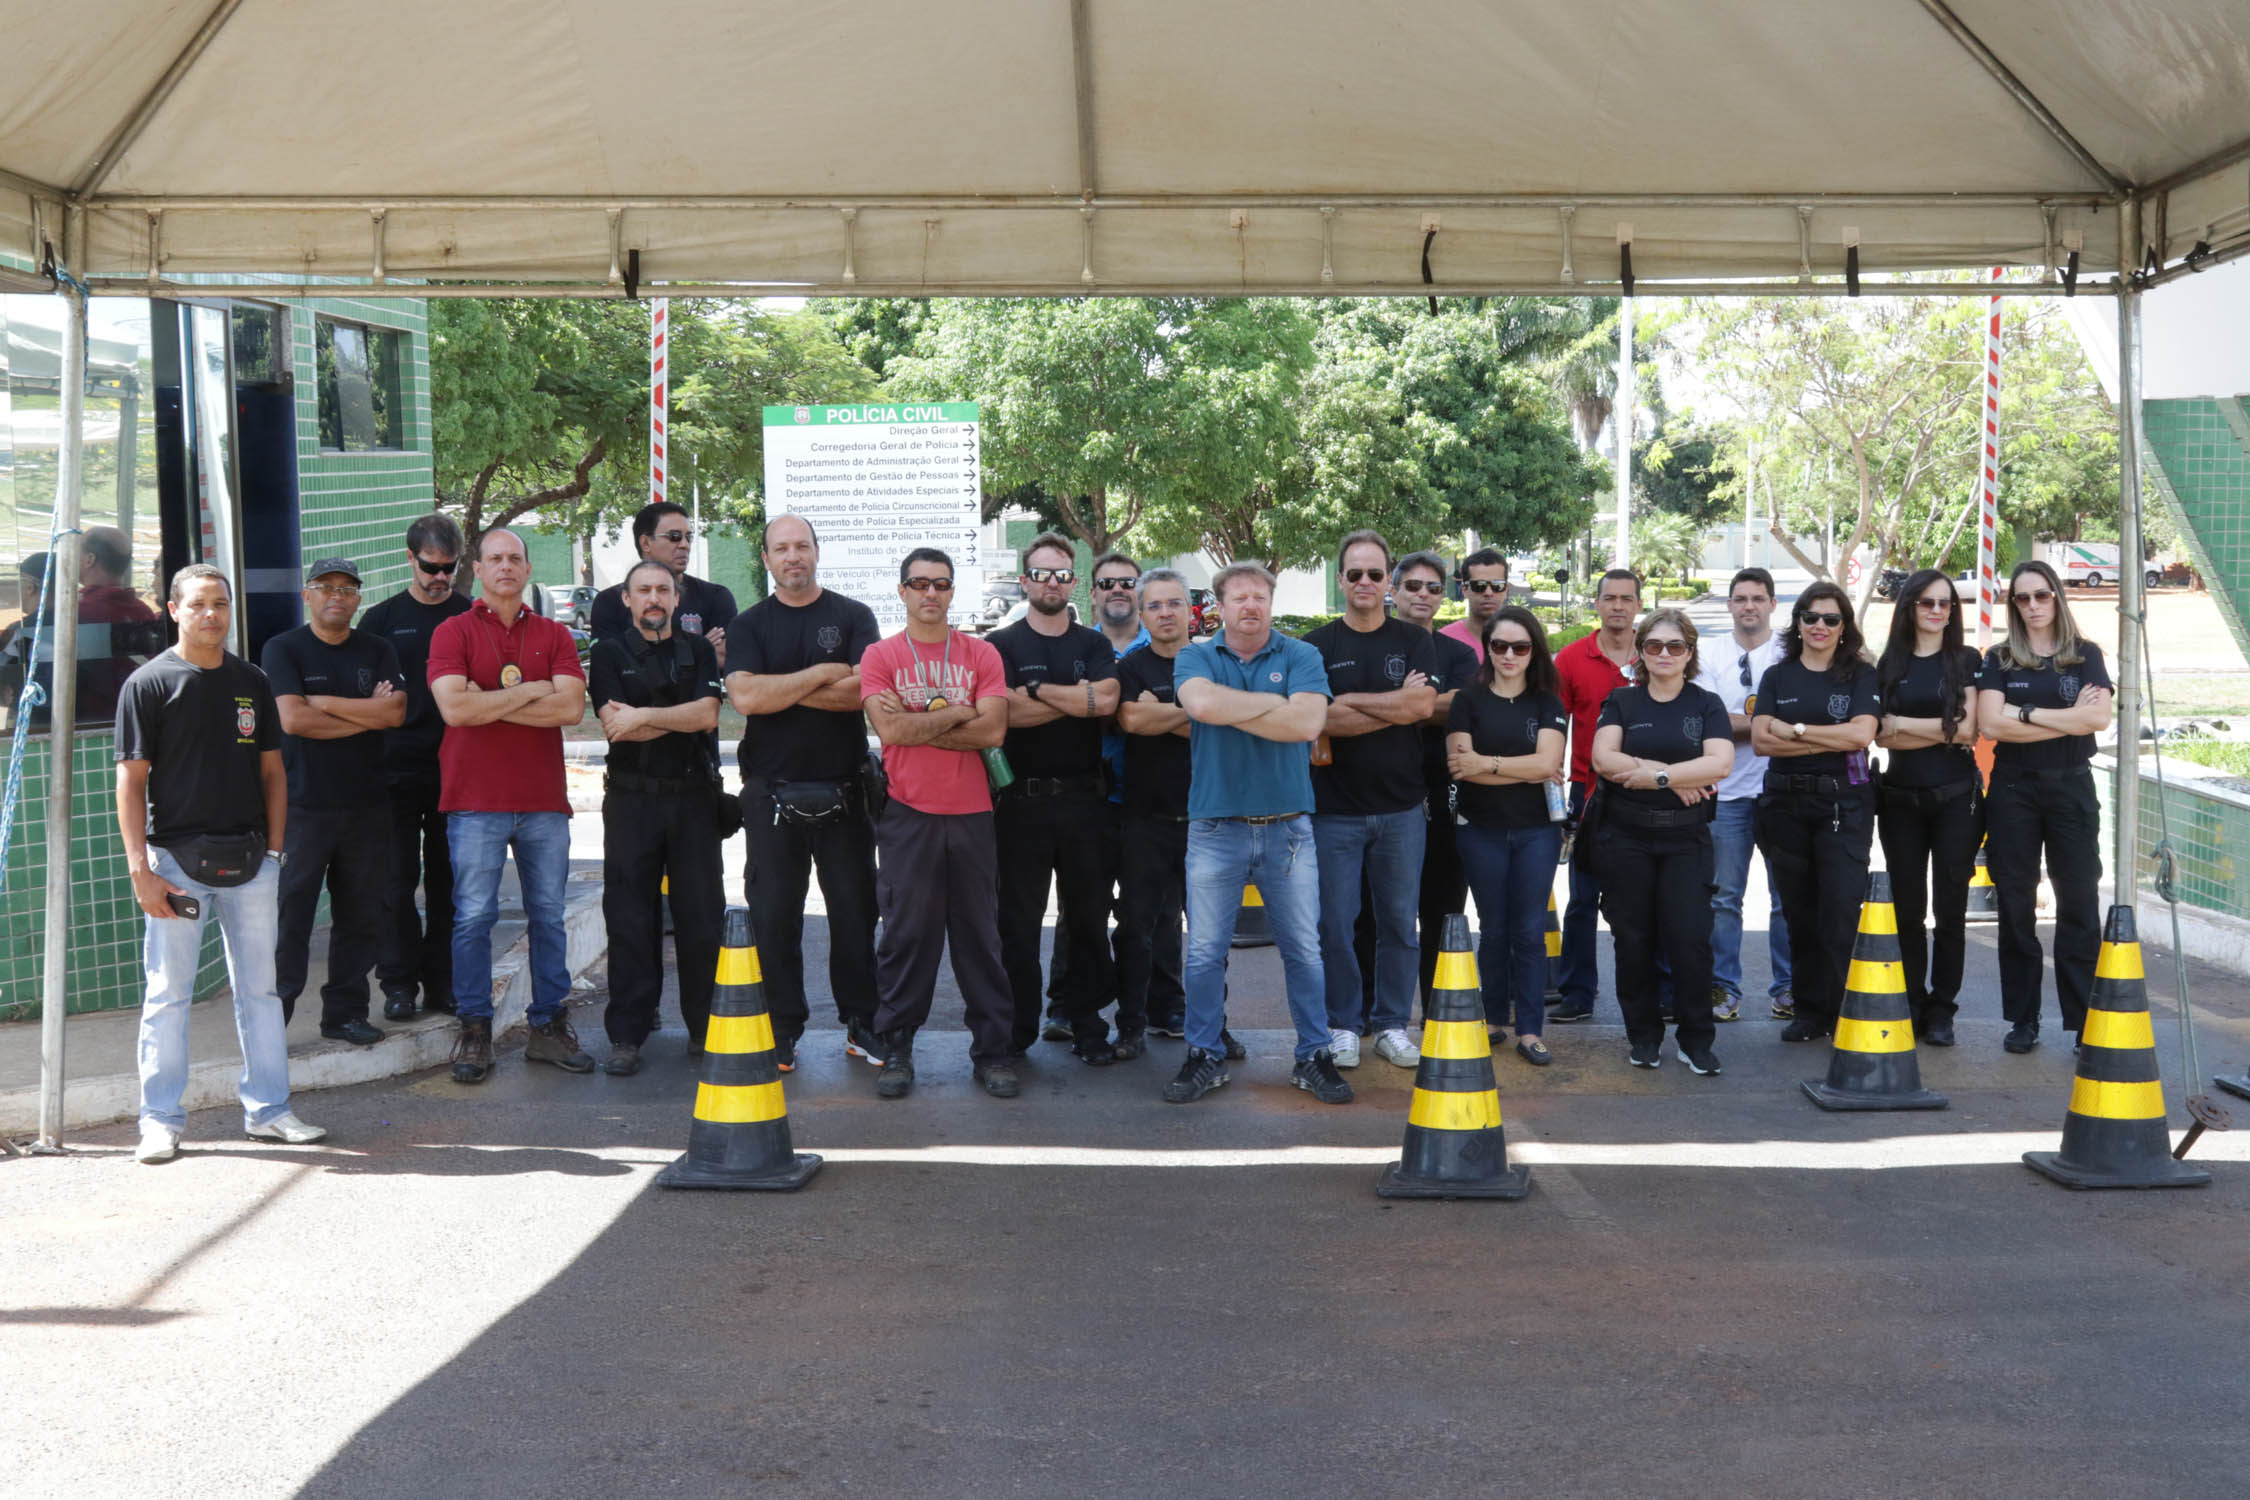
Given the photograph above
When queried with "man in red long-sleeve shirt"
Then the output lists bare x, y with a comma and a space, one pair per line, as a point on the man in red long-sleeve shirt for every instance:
1590, 670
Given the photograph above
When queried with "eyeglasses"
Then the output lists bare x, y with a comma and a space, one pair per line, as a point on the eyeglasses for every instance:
1816, 617
1127, 584
1484, 585
1511, 648
1942, 606
930, 585
1053, 575
1664, 648
336, 590
2037, 596
1422, 586
675, 537
435, 569
1364, 575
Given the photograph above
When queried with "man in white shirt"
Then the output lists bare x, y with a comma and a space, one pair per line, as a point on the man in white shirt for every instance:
1730, 665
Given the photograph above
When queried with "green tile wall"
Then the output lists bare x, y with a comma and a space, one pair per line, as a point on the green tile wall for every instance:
2198, 456
2210, 835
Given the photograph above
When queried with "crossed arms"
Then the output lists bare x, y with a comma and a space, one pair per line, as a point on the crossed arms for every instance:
1299, 718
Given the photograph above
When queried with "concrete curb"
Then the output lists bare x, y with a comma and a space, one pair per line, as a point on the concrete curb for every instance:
409, 1048
2210, 936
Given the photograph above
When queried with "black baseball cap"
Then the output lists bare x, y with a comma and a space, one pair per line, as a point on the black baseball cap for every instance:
328, 565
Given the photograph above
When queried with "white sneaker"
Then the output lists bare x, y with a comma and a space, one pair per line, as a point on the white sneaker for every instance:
1345, 1047
287, 1128
1395, 1046
159, 1142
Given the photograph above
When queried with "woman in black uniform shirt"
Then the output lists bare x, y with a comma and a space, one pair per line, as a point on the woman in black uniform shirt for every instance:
1503, 741
1817, 714
1930, 808
2043, 694
1660, 746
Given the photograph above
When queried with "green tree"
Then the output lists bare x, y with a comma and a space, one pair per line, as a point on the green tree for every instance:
874, 330
1686, 470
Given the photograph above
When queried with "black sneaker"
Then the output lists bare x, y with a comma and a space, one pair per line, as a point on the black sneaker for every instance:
557, 1043
1174, 1027
897, 1077
1201, 1073
1807, 1029
399, 1006
1645, 1055
358, 1032
862, 1041
1057, 1030
1095, 1051
1129, 1045
472, 1052
998, 1079
785, 1053
1230, 1046
1317, 1076
1701, 1061
1938, 1034
1568, 1011
2022, 1037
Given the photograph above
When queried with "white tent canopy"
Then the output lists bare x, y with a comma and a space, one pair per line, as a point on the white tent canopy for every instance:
1067, 146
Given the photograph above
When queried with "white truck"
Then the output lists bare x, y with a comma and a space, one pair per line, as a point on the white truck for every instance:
2089, 564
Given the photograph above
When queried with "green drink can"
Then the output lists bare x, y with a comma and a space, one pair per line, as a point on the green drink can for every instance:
996, 768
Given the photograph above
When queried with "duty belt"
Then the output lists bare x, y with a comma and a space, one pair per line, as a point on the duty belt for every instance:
1819, 786
1928, 796
1057, 786
1633, 815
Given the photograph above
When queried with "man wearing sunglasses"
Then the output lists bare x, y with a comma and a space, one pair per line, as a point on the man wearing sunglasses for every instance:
1483, 576
1367, 802
1062, 683
416, 953
1418, 586
665, 533
1731, 665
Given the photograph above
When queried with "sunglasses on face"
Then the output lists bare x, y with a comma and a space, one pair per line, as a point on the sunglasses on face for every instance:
436, 569
1421, 586
2036, 596
930, 585
1127, 584
1054, 575
1942, 606
1745, 664
1664, 648
1486, 585
1364, 575
1511, 648
675, 537
1817, 617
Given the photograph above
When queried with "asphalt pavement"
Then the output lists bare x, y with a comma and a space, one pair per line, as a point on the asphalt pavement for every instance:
1713, 1288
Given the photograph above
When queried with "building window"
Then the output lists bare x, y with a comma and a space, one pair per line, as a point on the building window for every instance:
360, 403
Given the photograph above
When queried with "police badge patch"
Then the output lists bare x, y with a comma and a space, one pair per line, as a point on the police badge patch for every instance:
1394, 668
366, 681
245, 718
1691, 727
830, 637
692, 624
2066, 687
1839, 704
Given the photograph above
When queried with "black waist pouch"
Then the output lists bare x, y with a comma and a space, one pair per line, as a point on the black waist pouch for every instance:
811, 804
222, 859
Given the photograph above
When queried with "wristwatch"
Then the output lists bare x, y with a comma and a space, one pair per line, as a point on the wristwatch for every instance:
1796, 731
2024, 713
1031, 690
278, 856
1663, 781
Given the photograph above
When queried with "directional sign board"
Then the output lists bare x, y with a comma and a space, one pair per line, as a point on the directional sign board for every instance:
877, 481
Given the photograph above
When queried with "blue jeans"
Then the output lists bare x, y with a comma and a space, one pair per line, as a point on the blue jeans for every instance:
1224, 855
1733, 837
1578, 980
250, 922
1511, 870
479, 842
1389, 848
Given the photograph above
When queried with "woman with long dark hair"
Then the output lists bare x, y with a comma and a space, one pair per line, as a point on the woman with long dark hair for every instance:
1929, 811
1503, 744
1661, 746
2044, 694
1817, 714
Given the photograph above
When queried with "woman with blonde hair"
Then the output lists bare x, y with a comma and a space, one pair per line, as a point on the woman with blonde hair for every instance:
2044, 693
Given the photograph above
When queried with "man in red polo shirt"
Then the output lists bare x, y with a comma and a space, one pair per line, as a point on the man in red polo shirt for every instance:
1590, 669
506, 681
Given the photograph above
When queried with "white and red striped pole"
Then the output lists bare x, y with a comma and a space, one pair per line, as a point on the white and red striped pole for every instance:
1988, 478
659, 387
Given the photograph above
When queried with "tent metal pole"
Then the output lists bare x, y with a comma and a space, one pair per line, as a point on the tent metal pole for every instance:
129, 129
2125, 863
63, 567
13, 280
1622, 414
2217, 161
1082, 84
2023, 96
1058, 202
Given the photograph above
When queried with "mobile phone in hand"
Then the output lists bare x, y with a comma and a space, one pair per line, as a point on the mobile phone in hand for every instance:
183, 905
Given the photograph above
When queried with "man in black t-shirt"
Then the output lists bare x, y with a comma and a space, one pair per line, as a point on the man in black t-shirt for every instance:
202, 808
1418, 585
665, 533
657, 695
1367, 801
337, 689
1062, 682
417, 952
793, 674
1152, 897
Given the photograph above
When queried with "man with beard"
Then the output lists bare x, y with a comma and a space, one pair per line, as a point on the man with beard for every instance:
665, 533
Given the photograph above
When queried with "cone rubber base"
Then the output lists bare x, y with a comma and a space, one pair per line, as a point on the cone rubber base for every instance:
686, 1173
1817, 1090
2239, 1087
1512, 1183
2171, 1174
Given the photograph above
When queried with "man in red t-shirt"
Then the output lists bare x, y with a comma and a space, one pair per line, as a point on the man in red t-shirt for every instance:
506, 681
1590, 669
938, 698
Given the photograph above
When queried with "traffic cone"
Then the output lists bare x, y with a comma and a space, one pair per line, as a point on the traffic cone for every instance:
1251, 930
740, 1138
1554, 950
1984, 896
1455, 1146
2114, 1135
1872, 1064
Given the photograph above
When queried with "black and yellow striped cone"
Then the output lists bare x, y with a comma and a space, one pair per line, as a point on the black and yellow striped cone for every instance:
2115, 1135
1455, 1146
740, 1138
1984, 896
1554, 951
1251, 929
1872, 1065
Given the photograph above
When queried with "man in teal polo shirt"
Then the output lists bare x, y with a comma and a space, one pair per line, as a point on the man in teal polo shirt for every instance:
1257, 700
